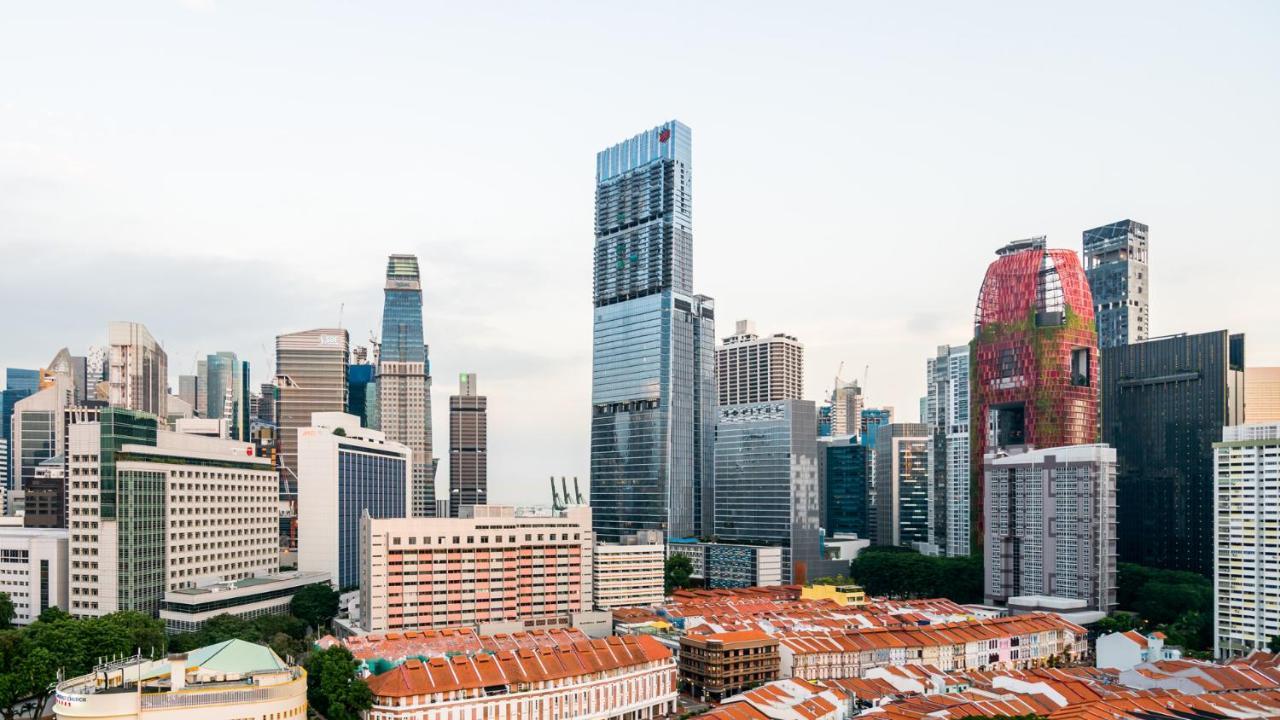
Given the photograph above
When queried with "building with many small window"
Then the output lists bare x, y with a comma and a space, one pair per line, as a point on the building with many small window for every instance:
151, 511
717, 665
750, 368
33, 570
629, 573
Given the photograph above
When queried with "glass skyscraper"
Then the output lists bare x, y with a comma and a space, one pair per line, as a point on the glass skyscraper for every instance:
404, 377
653, 366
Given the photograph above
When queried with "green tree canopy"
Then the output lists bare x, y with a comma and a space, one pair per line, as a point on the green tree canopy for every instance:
6, 611
904, 573
26, 671
676, 571
315, 605
334, 687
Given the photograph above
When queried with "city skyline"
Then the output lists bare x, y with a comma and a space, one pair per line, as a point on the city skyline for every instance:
156, 223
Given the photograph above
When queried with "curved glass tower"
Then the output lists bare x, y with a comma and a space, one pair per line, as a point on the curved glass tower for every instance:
653, 362
404, 376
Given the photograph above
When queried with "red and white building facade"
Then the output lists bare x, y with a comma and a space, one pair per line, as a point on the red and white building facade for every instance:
490, 566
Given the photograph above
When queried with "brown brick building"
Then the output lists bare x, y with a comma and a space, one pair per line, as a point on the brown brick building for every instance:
713, 667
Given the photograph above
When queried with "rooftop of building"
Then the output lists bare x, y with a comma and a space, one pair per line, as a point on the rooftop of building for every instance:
516, 667
396, 646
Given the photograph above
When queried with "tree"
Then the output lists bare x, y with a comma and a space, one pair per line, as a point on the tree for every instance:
6, 611
334, 687
315, 605
1273, 645
26, 671
903, 573
676, 572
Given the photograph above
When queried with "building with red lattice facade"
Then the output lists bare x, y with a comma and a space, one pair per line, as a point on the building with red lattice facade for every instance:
1034, 359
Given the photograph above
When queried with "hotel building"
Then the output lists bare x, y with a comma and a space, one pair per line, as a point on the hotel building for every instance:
752, 369
488, 566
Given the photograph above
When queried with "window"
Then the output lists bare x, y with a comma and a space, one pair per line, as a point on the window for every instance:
1081, 370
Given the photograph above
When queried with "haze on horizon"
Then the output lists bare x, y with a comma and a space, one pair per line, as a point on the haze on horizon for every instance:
227, 171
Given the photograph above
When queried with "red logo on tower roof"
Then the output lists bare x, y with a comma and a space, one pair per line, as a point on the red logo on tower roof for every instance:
664, 135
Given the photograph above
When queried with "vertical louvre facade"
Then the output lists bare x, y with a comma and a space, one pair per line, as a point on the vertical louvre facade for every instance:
902, 484
653, 348
468, 446
1164, 404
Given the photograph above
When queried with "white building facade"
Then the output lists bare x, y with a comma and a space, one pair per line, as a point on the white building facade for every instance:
629, 575
750, 368
33, 570
1246, 531
947, 415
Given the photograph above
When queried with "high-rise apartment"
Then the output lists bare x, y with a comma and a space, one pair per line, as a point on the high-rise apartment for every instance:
901, 484
846, 408
1034, 356
1262, 394
311, 377
653, 387
946, 412
153, 511
1164, 404
1115, 261
630, 573
345, 470
468, 446
138, 373
1246, 561
752, 369
1051, 525
404, 377
766, 489
491, 565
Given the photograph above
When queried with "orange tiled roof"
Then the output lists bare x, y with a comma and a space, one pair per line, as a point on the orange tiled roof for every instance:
508, 667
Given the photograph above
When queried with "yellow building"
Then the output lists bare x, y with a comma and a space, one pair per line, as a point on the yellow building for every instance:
844, 595
232, 680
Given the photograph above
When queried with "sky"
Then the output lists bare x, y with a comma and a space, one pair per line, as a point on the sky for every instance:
224, 172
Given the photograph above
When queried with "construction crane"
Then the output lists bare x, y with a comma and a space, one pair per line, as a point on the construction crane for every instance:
865, 373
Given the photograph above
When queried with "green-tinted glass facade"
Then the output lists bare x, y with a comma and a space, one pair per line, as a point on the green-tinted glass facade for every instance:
119, 427
140, 512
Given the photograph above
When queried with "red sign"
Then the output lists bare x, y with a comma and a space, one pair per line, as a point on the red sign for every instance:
664, 135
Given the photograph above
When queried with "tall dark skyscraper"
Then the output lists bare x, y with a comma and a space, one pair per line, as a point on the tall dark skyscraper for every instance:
404, 377
653, 387
1115, 261
468, 446
1164, 404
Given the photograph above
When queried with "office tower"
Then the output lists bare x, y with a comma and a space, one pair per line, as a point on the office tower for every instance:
846, 408
1246, 561
752, 369
460, 576
404, 377
362, 393
630, 573
202, 388
1115, 261
825, 412
19, 383
1051, 525
1262, 394
871, 419
80, 379
900, 494
96, 368
311, 377
1034, 356
653, 349
153, 511
345, 470
267, 403
947, 415
33, 570
1164, 404
725, 565
844, 472
468, 446
36, 430
766, 489
227, 392
138, 370
188, 390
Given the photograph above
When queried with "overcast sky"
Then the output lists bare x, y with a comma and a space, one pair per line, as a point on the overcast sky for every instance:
227, 171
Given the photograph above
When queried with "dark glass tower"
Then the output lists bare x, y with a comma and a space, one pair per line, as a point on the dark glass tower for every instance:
653, 370
1164, 404
404, 377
